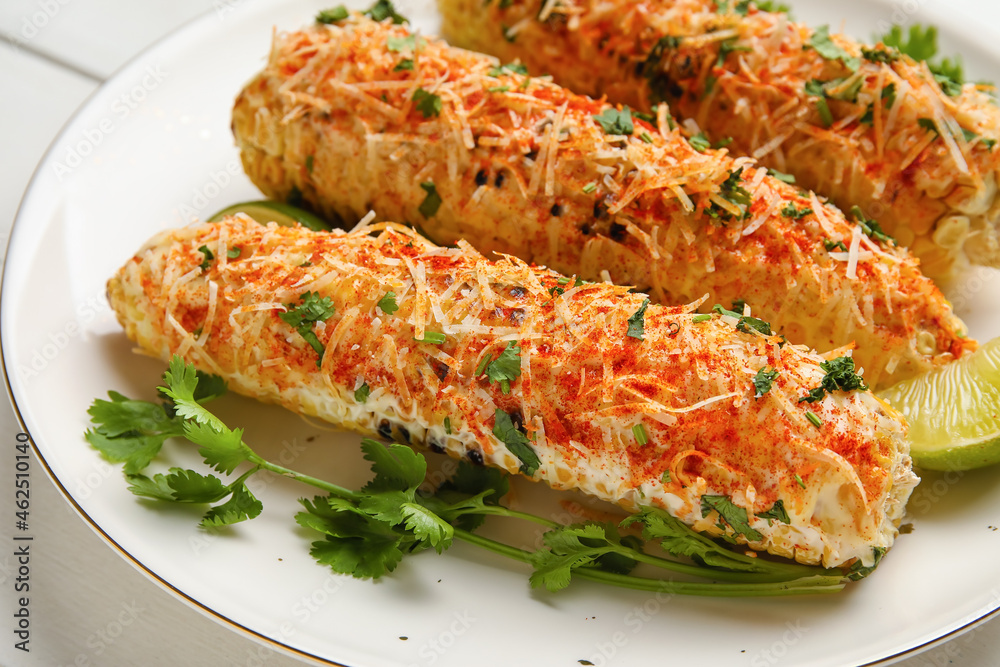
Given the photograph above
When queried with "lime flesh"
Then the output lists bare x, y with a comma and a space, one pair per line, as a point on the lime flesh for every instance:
954, 412
266, 210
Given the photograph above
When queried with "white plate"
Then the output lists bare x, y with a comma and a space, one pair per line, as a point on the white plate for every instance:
151, 149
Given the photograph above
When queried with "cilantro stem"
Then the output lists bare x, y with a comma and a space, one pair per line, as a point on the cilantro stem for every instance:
801, 586
338, 491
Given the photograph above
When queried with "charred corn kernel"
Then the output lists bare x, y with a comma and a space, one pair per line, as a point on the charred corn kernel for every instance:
565, 181
584, 382
850, 121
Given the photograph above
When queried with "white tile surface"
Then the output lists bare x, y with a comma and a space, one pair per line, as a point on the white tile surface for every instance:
97, 35
88, 606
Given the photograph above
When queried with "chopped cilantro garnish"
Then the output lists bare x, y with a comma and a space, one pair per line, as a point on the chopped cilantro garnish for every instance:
209, 256
428, 104
408, 43
790, 210
834, 245
781, 176
510, 68
311, 309
589, 187
637, 323
504, 369
747, 323
432, 202
362, 392
498, 89
665, 477
432, 337
729, 513
406, 64
447, 425
310, 161
613, 121
659, 81
388, 303
835, 89
646, 138
516, 442
875, 55
814, 420
327, 16
233, 253
763, 379
701, 318
798, 479
826, 47
732, 191
776, 513
700, 142
383, 9
639, 431
928, 124
840, 376
870, 226
814, 88
722, 311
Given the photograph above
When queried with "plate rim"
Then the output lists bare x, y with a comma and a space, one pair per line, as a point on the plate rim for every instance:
936, 12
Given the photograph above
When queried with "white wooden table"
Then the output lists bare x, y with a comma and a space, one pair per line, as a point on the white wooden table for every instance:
88, 605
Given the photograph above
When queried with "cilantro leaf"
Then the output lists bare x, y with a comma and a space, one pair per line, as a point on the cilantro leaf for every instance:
362, 392
637, 323
729, 514
566, 552
763, 379
155, 487
826, 47
209, 256
189, 486
781, 176
506, 367
397, 44
367, 556
383, 9
859, 571
613, 121
870, 226
428, 104
427, 526
840, 376
509, 68
327, 16
795, 213
396, 467
747, 323
223, 449
516, 442
732, 190
432, 202
241, 506
700, 142
722, 311
311, 309
831, 245
776, 513
388, 303
405, 64
815, 88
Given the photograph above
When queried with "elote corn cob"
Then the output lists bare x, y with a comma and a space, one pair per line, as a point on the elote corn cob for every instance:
864, 125
590, 388
365, 116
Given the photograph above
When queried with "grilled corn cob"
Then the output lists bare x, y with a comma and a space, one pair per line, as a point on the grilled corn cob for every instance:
363, 116
636, 404
863, 125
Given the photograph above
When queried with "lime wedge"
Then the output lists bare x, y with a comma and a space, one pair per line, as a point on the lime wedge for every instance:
266, 210
954, 412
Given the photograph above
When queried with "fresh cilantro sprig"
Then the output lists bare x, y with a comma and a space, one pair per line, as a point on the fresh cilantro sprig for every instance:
920, 43
366, 533
840, 376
